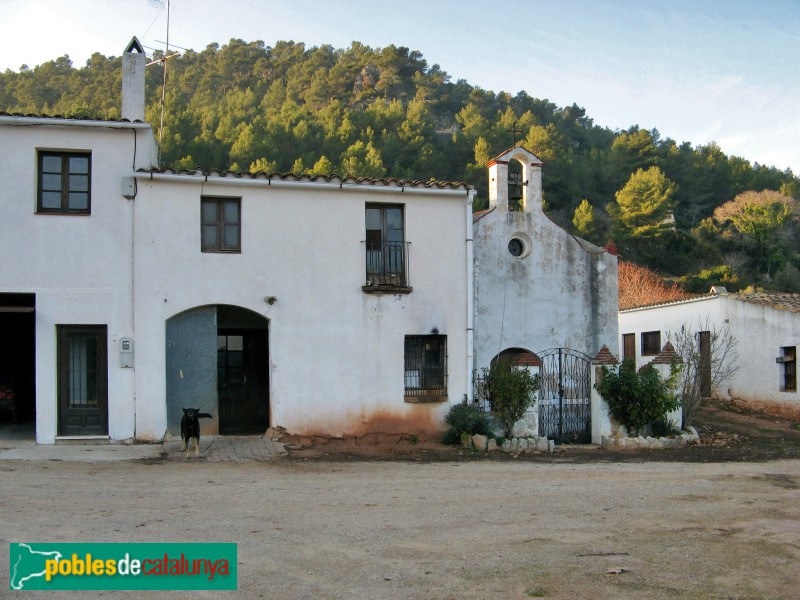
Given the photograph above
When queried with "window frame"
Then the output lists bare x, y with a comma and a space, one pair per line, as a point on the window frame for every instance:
219, 246
65, 182
789, 369
387, 260
423, 381
647, 345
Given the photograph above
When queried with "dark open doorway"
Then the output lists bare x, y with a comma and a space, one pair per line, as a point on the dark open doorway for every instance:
18, 358
242, 371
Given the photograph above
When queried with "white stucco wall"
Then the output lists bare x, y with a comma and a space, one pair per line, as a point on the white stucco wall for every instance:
336, 353
78, 266
561, 292
761, 331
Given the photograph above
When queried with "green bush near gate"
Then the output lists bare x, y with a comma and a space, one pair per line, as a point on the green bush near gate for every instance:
510, 393
638, 398
465, 418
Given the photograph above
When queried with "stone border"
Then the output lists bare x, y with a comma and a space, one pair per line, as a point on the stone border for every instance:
514, 445
687, 438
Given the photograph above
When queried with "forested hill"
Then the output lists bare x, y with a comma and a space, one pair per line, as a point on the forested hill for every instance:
387, 112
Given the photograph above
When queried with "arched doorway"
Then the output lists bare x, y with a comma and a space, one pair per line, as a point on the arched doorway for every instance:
218, 360
517, 357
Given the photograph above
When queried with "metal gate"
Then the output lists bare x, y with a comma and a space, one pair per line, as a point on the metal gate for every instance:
565, 411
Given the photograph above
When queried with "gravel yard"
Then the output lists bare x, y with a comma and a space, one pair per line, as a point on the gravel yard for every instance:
475, 529
402, 518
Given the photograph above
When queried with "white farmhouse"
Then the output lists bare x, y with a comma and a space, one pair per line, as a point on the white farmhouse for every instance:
543, 297
323, 305
766, 327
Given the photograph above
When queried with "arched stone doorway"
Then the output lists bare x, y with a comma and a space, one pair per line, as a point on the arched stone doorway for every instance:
517, 357
217, 359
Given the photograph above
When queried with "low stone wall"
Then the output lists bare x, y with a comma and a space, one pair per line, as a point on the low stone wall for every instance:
620, 442
514, 445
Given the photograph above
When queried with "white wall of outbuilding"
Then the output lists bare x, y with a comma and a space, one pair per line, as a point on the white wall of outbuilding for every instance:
760, 331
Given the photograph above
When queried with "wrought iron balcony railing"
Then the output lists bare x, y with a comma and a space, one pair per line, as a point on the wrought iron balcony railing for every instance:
387, 264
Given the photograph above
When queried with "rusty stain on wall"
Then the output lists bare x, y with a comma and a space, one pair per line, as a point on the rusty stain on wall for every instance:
422, 419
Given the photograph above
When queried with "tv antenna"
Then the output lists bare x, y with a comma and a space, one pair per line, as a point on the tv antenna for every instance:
164, 58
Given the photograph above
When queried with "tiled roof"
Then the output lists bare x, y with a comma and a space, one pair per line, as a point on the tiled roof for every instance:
668, 302
66, 118
526, 359
605, 357
776, 300
476, 216
348, 179
666, 356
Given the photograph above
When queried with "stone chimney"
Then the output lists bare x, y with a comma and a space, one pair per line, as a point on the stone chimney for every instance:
133, 63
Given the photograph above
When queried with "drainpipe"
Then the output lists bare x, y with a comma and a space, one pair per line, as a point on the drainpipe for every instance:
470, 297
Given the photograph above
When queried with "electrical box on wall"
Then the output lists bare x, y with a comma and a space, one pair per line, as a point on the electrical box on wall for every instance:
126, 353
128, 187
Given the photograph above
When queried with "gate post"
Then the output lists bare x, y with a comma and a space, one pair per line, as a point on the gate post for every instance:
601, 419
663, 362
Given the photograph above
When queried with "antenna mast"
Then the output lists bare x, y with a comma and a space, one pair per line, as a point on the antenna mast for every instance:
166, 56
164, 86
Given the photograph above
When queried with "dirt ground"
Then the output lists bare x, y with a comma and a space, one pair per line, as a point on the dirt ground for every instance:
718, 521
728, 432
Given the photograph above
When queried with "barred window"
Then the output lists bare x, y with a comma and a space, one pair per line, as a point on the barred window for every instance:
426, 365
789, 368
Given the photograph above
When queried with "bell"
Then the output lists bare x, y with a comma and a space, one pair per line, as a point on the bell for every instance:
514, 191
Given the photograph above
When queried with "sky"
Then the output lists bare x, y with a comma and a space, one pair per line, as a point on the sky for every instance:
726, 71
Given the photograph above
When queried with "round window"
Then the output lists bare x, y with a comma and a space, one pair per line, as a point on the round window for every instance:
516, 247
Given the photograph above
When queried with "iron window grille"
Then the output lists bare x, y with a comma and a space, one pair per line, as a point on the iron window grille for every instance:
64, 183
651, 343
425, 365
789, 364
220, 225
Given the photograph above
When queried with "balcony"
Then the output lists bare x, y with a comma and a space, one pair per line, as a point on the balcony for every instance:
387, 268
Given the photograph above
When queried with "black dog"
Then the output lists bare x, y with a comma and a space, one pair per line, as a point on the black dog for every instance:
190, 429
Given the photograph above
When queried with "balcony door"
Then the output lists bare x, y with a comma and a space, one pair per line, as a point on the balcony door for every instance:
385, 245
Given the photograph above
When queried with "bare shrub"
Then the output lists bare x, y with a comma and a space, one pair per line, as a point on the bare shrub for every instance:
704, 371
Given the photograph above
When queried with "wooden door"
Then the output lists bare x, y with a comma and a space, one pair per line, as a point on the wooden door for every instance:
242, 380
629, 346
83, 380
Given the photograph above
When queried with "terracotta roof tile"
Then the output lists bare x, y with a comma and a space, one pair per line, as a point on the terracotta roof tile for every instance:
776, 300
66, 118
668, 303
526, 359
348, 179
476, 216
666, 356
605, 357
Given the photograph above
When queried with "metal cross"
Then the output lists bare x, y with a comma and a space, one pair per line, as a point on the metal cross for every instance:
514, 131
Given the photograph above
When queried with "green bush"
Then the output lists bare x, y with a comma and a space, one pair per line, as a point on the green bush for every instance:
465, 418
664, 427
510, 392
638, 398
